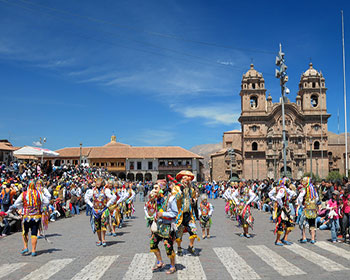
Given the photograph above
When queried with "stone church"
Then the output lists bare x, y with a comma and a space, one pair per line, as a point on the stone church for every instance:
255, 152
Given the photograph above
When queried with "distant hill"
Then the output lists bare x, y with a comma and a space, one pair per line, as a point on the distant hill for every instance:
205, 150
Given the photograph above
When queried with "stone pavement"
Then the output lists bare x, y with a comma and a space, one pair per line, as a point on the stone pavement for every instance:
73, 254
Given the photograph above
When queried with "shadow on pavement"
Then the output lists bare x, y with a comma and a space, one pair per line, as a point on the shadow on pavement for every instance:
53, 234
48, 251
110, 243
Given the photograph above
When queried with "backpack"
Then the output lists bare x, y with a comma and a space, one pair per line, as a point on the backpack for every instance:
6, 198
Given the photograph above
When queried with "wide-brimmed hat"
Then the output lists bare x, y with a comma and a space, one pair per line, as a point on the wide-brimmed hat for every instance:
184, 173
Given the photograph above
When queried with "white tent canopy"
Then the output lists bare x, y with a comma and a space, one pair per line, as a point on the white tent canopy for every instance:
35, 151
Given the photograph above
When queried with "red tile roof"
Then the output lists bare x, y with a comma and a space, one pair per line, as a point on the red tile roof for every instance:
129, 152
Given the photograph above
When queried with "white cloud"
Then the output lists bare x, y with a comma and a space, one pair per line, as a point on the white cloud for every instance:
155, 137
213, 114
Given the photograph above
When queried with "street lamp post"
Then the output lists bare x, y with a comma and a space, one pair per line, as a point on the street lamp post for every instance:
41, 143
282, 75
310, 140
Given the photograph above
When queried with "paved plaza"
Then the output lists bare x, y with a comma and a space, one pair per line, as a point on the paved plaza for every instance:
73, 254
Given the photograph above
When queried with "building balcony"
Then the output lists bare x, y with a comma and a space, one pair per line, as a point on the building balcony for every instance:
115, 168
174, 167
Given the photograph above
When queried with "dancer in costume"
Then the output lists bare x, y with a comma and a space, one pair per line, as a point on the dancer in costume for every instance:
166, 227
115, 218
155, 200
101, 199
205, 212
308, 198
185, 219
130, 202
32, 201
230, 207
282, 195
115, 209
243, 196
45, 211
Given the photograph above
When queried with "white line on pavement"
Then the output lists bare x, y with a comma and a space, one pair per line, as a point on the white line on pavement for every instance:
141, 267
96, 268
315, 258
334, 249
276, 261
7, 269
234, 264
192, 270
48, 269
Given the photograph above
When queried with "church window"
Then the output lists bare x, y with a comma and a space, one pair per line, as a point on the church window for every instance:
316, 145
299, 140
254, 146
317, 127
253, 85
253, 102
314, 100
313, 84
254, 128
269, 141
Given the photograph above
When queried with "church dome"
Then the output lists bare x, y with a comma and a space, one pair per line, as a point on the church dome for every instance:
311, 72
252, 73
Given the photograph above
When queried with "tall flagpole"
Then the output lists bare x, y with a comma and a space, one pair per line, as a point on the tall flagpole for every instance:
345, 115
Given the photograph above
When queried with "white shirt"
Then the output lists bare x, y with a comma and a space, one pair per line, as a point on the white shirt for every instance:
236, 194
89, 196
280, 194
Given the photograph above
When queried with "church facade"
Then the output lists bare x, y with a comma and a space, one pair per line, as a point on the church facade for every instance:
256, 152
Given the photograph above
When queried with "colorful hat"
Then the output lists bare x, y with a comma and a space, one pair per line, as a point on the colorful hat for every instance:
184, 173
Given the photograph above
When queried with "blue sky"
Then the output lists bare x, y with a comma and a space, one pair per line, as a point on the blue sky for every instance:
155, 72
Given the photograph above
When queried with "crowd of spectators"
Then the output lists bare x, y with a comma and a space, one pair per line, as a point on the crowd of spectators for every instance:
67, 185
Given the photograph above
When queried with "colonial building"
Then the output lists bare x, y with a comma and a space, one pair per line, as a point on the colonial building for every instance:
6, 151
133, 163
255, 152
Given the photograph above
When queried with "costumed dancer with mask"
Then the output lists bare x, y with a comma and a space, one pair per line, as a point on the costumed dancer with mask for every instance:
230, 203
165, 229
243, 196
155, 200
185, 219
206, 210
284, 221
45, 211
308, 198
31, 201
130, 202
101, 198
114, 208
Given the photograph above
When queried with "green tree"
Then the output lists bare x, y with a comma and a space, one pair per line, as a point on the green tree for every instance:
334, 175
